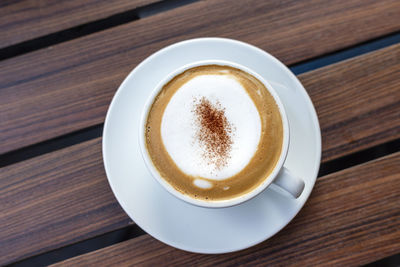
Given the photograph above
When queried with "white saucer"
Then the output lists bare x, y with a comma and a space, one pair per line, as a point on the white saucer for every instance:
173, 221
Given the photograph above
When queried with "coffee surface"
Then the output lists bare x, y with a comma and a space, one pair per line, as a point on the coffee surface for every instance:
214, 132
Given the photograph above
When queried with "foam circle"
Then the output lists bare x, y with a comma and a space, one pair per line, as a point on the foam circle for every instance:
178, 129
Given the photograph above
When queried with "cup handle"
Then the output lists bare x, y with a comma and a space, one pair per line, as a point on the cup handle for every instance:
290, 183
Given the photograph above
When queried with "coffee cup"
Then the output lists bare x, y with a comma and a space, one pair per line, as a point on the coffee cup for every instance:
215, 134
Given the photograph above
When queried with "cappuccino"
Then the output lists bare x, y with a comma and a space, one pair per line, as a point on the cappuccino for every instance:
214, 132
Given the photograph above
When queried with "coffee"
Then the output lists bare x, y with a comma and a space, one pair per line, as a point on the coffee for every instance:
214, 132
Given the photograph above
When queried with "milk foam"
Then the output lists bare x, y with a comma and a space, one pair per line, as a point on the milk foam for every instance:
178, 127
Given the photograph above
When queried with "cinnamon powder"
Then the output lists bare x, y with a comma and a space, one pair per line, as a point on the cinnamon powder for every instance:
214, 132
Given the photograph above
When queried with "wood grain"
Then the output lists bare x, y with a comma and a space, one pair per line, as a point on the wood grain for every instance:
352, 218
67, 87
357, 101
54, 200
28, 19
63, 197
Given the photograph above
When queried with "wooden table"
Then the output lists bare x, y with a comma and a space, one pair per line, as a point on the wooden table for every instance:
62, 61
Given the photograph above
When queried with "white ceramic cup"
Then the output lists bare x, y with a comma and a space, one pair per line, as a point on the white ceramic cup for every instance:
280, 176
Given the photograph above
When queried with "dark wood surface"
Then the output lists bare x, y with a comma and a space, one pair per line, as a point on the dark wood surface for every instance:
337, 226
76, 80
28, 19
351, 96
54, 200
79, 188
62, 197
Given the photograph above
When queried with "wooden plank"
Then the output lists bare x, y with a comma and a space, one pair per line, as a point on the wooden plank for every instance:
82, 163
54, 200
69, 86
357, 101
28, 19
352, 218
